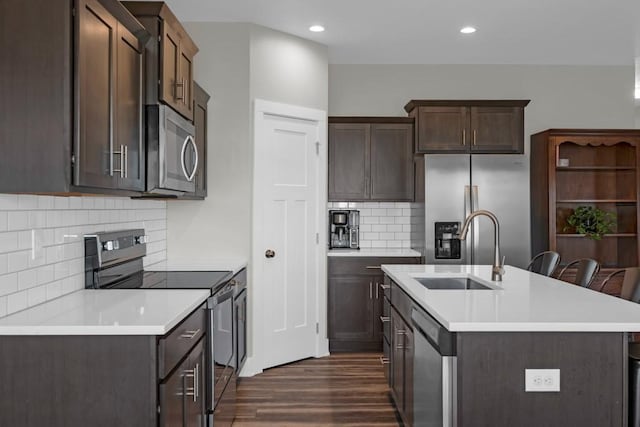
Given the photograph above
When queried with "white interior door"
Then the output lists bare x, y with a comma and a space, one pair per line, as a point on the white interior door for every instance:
286, 238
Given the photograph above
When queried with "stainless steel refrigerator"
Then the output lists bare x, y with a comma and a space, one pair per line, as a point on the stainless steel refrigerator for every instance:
458, 184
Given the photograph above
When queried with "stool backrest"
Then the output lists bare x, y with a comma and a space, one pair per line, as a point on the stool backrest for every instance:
544, 263
586, 272
631, 285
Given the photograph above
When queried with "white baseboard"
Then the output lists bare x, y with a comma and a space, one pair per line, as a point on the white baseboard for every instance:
250, 369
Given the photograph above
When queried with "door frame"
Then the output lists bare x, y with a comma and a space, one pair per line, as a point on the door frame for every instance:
255, 363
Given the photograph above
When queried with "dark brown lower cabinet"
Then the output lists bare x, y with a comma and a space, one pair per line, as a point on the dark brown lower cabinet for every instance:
402, 360
103, 380
355, 301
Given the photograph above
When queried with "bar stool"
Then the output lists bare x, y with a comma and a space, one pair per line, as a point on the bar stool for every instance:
587, 270
544, 263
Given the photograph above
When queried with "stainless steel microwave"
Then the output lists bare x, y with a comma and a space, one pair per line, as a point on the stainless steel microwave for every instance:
172, 154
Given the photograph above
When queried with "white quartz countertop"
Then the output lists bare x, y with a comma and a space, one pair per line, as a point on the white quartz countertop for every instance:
379, 252
217, 264
106, 312
524, 301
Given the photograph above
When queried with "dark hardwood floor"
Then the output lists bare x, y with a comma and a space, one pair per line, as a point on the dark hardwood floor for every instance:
345, 389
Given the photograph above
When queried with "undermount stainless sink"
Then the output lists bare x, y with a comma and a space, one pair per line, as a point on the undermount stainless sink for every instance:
445, 283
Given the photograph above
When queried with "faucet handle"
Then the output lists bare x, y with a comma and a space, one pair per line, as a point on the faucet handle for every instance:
502, 263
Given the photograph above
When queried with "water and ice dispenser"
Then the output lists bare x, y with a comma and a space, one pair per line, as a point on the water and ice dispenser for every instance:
447, 245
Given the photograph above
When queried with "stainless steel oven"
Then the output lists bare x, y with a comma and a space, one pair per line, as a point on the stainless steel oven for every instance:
172, 155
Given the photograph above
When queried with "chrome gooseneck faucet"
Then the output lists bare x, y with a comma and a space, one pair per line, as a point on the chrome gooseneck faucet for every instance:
498, 264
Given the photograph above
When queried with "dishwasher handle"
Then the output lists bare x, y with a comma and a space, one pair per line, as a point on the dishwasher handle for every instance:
443, 341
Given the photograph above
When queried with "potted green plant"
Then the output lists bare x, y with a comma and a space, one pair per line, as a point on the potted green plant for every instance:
591, 221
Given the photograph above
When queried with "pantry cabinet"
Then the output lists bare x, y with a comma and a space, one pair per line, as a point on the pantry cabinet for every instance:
474, 126
78, 126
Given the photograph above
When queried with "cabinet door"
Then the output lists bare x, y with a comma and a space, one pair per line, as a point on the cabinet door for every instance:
172, 398
194, 398
129, 122
171, 91
185, 65
349, 161
94, 158
392, 162
351, 308
443, 130
497, 130
397, 359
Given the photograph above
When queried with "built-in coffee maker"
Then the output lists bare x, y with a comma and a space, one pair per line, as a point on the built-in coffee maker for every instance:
447, 244
344, 229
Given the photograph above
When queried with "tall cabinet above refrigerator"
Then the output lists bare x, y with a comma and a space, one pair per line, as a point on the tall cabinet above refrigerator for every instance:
458, 184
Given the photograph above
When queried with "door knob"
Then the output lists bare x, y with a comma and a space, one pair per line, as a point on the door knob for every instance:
269, 253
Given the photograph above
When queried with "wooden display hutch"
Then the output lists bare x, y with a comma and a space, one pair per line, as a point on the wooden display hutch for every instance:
585, 167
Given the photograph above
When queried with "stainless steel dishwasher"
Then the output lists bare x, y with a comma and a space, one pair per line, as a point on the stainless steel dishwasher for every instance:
434, 372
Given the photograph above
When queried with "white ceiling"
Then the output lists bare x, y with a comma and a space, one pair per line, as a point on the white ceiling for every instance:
592, 32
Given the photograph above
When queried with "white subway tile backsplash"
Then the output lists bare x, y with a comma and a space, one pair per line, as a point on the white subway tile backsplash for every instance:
8, 242
16, 302
42, 245
8, 283
384, 224
3, 221
388, 219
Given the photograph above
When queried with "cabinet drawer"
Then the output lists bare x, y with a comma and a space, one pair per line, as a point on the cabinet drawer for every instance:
401, 301
365, 265
177, 343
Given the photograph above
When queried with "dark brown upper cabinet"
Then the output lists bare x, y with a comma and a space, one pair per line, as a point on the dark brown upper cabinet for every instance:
75, 122
475, 126
200, 100
371, 158
169, 57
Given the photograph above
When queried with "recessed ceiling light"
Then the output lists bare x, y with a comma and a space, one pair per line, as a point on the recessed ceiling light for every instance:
468, 30
316, 28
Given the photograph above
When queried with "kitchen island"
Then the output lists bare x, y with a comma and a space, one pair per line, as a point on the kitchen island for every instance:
490, 337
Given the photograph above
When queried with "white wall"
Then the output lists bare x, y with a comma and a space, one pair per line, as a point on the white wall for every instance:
288, 69
42, 245
219, 226
561, 96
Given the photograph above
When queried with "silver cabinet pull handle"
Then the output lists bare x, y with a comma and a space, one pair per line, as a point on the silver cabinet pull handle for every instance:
370, 290
126, 161
385, 319
120, 153
377, 290
474, 137
196, 382
373, 267
181, 86
384, 360
192, 391
464, 137
384, 287
190, 334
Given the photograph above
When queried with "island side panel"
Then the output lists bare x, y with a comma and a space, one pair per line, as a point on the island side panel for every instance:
491, 379
62, 381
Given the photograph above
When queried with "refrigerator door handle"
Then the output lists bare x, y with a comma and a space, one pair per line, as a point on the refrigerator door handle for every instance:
475, 205
467, 198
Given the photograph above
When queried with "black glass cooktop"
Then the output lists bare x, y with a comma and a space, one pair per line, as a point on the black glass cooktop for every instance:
174, 280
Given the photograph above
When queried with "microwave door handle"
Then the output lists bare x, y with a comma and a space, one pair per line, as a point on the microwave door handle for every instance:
195, 162
182, 158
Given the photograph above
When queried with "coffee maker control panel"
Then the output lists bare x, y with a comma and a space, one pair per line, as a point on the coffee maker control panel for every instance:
447, 245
